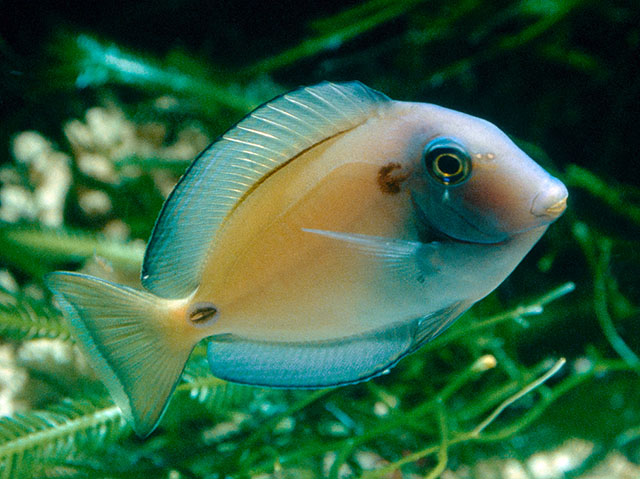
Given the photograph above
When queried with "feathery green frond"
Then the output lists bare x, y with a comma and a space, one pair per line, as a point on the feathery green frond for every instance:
27, 440
24, 318
217, 395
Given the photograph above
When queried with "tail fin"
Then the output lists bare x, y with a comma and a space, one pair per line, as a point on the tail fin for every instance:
128, 338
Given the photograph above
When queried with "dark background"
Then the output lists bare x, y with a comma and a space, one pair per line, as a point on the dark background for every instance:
571, 87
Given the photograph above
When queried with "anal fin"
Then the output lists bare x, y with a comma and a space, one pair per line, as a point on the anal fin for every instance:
311, 364
324, 363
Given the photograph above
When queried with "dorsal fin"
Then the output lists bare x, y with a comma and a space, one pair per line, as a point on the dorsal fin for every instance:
260, 143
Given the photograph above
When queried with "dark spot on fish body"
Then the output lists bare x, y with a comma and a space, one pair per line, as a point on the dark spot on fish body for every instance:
200, 314
390, 181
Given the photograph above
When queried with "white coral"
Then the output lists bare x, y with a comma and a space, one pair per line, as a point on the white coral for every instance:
48, 174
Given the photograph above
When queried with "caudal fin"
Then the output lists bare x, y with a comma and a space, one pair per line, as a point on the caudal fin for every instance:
126, 337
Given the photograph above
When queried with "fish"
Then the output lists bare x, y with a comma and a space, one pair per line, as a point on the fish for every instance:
324, 237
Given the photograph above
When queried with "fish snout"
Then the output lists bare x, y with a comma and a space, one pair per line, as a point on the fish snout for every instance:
551, 202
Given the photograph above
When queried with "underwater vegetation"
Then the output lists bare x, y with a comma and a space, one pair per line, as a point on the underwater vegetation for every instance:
538, 380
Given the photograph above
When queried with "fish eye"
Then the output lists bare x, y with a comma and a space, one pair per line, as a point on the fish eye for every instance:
447, 161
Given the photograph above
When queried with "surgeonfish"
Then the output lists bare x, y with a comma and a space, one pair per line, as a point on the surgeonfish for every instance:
325, 236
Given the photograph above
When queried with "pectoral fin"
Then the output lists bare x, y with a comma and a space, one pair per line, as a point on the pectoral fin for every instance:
407, 258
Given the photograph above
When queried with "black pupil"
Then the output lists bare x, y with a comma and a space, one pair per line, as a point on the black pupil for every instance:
448, 164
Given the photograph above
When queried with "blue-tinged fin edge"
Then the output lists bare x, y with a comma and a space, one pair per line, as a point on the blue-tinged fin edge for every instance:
325, 363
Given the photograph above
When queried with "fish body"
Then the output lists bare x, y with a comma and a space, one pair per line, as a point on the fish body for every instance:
324, 237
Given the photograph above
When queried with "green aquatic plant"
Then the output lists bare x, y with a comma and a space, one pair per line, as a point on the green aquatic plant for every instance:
31, 441
63, 434
24, 318
76, 426
488, 398
33, 247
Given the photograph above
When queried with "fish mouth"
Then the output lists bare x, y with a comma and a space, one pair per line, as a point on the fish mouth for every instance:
552, 212
551, 201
